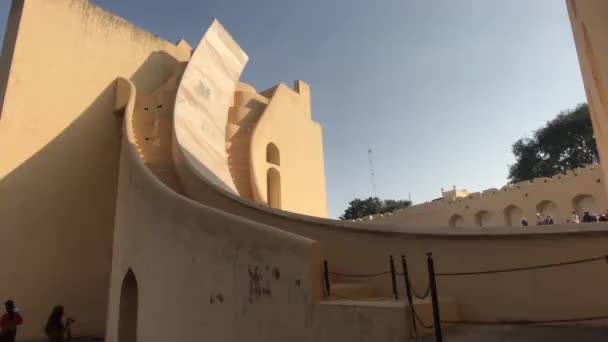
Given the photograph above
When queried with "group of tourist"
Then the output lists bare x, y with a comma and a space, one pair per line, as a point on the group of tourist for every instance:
589, 217
55, 329
574, 218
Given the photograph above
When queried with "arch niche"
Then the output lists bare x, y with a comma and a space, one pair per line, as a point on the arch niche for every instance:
585, 202
456, 221
127, 319
513, 215
483, 218
548, 208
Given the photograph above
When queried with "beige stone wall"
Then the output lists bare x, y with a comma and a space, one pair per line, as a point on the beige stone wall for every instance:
60, 140
578, 190
286, 123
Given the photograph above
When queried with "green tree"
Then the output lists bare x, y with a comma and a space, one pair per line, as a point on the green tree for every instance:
370, 206
563, 144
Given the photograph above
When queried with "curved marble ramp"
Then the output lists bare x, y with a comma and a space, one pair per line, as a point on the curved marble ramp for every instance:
203, 99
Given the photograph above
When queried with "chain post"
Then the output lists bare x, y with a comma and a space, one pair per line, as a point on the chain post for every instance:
326, 271
408, 291
393, 277
434, 298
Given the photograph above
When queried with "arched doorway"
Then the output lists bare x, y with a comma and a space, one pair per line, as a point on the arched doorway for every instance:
513, 215
456, 221
548, 208
483, 218
273, 188
127, 319
585, 202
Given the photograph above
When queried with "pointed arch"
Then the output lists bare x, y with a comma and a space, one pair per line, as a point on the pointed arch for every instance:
129, 303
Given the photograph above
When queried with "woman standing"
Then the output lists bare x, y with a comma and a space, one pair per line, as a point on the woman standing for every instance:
9, 322
55, 328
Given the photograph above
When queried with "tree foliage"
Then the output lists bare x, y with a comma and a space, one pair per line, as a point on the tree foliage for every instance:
563, 144
372, 205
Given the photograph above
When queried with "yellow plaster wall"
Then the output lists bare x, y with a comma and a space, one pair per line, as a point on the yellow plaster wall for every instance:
287, 123
60, 142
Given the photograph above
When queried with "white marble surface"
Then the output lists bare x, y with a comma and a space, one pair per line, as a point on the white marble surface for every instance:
204, 97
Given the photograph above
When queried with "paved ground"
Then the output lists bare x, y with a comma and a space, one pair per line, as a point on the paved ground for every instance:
522, 333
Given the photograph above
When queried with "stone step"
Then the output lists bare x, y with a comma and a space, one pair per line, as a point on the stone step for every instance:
389, 310
352, 290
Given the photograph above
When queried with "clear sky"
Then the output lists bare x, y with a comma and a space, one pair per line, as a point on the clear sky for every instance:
439, 89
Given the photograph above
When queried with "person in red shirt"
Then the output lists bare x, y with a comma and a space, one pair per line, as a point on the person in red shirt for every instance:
9, 322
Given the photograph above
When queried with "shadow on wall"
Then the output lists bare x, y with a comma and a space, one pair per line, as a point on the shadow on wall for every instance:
60, 203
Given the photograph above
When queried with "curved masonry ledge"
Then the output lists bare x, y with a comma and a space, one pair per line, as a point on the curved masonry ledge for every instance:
200, 119
152, 179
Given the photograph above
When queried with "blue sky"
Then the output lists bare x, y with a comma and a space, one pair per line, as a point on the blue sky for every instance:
439, 89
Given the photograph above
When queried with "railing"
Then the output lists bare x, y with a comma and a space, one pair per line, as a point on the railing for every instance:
431, 291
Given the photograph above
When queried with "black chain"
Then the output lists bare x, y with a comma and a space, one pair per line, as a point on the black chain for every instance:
426, 293
359, 275
530, 322
516, 269
421, 322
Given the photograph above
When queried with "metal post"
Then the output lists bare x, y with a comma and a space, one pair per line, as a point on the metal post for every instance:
326, 271
393, 277
408, 291
436, 316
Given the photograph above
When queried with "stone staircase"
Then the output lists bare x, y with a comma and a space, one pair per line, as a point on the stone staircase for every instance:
369, 303
153, 132
242, 119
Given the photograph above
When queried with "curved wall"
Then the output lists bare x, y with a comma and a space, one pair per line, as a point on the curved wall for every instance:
204, 273
203, 99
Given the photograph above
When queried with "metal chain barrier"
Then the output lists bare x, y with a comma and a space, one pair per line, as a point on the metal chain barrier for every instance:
433, 289
359, 275
527, 268
530, 322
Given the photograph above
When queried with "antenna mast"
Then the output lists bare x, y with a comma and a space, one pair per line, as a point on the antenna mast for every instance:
371, 171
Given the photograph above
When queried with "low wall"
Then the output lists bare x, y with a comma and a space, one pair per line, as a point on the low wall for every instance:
578, 190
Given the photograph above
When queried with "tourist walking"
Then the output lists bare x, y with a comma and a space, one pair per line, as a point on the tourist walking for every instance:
9, 322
